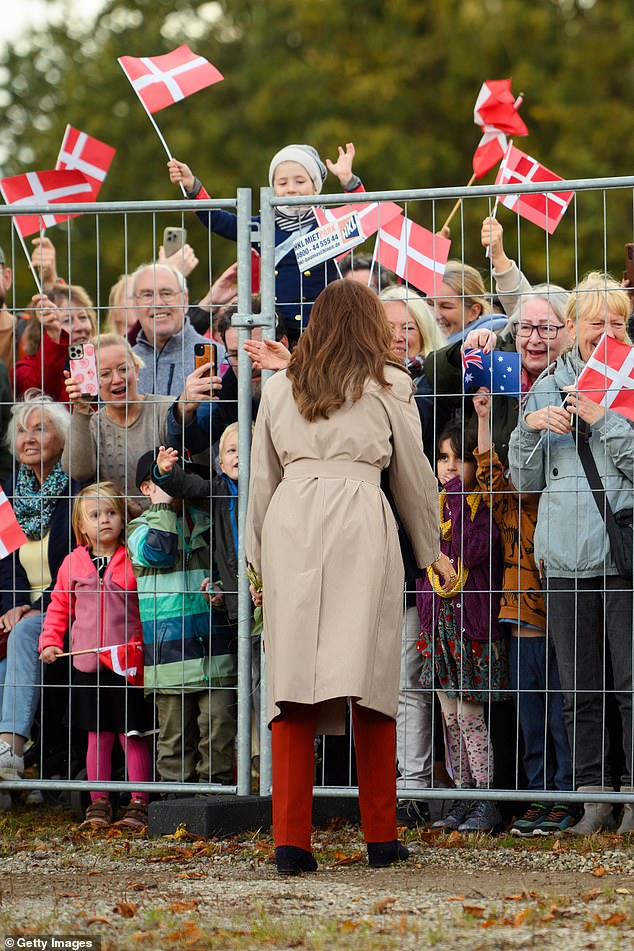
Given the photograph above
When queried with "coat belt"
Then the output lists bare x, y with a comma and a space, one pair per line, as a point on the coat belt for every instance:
333, 469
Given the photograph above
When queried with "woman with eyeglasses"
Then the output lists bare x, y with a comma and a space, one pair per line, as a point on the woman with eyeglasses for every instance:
589, 605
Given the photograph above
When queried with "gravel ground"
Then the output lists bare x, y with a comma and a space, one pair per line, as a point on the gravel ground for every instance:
454, 892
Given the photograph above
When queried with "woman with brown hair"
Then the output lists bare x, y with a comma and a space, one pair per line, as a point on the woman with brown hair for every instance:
322, 539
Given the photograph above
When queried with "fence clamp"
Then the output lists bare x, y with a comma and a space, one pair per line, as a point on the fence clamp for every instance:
253, 320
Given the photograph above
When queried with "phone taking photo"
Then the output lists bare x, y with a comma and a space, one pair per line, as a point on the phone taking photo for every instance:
206, 353
83, 368
174, 239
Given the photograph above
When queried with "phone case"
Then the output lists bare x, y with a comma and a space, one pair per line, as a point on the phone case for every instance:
83, 367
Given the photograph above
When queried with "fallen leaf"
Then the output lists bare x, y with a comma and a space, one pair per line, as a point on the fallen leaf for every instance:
457, 898
520, 917
136, 887
347, 926
455, 838
591, 895
192, 875
615, 919
598, 872
476, 910
557, 845
382, 905
178, 907
622, 891
97, 920
127, 909
342, 858
489, 922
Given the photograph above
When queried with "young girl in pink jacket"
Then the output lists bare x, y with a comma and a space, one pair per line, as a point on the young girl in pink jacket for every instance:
95, 595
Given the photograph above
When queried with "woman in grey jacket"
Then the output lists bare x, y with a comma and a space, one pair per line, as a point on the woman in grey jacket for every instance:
589, 606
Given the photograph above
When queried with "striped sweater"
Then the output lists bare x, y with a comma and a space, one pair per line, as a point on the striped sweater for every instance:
185, 647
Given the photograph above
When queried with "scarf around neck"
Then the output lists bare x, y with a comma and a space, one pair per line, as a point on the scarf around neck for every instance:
33, 503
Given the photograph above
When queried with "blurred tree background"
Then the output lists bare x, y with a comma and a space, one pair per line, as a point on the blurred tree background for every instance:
399, 78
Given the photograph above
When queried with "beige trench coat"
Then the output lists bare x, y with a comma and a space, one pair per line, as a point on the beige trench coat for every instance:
321, 534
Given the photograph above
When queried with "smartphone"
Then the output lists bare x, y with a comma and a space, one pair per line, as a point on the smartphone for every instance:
206, 353
629, 264
173, 240
83, 367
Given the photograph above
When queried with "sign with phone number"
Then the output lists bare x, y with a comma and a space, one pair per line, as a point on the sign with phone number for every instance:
328, 241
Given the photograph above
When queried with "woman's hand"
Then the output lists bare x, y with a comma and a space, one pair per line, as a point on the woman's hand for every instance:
166, 460
256, 596
445, 571
342, 168
48, 315
183, 260
554, 419
181, 174
49, 654
44, 260
267, 354
74, 392
13, 615
491, 238
583, 407
480, 340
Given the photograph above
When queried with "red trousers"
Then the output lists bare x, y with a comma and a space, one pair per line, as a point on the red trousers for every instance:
293, 754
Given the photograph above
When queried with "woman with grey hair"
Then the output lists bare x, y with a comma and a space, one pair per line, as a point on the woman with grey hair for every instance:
41, 494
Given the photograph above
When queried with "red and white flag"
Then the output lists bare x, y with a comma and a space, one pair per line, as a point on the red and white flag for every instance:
372, 214
608, 376
545, 209
417, 255
11, 535
86, 154
160, 81
44, 188
125, 660
496, 111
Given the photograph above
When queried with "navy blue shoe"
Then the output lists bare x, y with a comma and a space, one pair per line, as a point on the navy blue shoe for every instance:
382, 854
291, 860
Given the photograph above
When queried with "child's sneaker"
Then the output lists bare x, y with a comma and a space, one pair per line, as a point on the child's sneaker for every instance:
135, 816
412, 812
11, 766
98, 815
483, 816
527, 823
455, 816
558, 819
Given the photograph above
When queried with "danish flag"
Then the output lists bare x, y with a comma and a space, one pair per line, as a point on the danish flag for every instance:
125, 660
82, 152
372, 214
496, 111
545, 209
160, 81
44, 188
608, 376
417, 255
11, 534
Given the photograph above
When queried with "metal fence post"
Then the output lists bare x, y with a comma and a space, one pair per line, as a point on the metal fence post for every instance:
267, 296
244, 456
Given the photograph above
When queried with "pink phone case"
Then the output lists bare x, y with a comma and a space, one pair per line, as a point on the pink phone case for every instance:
83, 367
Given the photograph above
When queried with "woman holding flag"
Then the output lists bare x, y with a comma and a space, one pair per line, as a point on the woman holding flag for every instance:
572, 547
96, 583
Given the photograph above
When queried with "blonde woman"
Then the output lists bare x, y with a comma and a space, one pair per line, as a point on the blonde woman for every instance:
589, 606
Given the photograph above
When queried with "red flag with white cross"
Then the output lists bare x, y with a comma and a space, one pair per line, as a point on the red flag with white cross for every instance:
11, 534
372, 214
496, 111
126, 660
87, 155
608, 376
417, 255
160, 81
545, 209
58, 186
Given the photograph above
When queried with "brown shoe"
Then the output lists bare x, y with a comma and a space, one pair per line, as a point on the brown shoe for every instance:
135, 817
98, 815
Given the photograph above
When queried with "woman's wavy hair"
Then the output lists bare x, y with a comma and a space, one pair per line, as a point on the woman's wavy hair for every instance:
347, 342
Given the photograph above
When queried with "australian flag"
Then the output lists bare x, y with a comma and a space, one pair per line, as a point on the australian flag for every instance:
499, 371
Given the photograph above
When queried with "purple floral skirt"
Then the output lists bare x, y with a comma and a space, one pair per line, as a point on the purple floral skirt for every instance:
469, 670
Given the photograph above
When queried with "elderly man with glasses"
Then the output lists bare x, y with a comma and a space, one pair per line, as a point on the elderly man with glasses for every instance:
166, 340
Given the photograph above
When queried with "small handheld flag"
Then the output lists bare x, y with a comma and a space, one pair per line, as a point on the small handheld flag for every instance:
499, 371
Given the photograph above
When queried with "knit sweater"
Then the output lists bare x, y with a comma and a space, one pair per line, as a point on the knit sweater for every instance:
99, 448
165, 370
